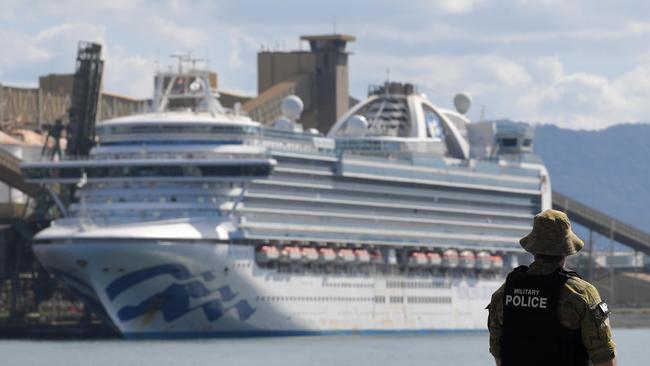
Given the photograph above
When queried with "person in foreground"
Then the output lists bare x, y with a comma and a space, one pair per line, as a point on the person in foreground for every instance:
544, 314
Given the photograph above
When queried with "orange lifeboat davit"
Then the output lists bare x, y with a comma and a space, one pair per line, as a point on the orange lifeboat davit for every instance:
467, 259
267, 253
292, 253
326, 255
310, 254
497, 262
450, 258
362, 255
483, 260
434, 259
418, 259
346, 255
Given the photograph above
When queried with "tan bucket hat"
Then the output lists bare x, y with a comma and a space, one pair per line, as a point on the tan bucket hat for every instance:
552, 235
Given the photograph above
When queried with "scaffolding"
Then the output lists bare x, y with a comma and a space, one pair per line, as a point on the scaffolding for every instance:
85, 97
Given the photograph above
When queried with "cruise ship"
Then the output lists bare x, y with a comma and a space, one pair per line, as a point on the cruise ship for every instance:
192, 220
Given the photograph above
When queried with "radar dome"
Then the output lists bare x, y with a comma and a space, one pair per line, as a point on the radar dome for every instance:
357, 126
195, 86
292, 107
283, 123
462, 102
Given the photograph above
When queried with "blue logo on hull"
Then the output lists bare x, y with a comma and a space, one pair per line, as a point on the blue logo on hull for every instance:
174, 301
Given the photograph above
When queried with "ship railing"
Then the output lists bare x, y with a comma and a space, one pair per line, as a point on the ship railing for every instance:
94, 217
166, 155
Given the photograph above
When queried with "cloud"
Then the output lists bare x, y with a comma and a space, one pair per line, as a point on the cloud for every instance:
184, 36
533, 90
22, 49
577, 63
456, 6
131, 75
615, 32
44, 51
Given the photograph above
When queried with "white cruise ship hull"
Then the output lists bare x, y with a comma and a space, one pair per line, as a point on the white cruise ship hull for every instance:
183, 289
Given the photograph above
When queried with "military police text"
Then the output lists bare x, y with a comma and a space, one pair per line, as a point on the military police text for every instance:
526, 298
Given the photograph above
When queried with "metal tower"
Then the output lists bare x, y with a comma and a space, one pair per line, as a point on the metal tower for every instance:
85, 99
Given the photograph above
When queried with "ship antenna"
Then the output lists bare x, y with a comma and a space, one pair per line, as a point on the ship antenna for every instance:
157, 63
180, 58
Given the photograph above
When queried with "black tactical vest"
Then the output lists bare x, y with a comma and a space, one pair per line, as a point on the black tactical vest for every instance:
532, 332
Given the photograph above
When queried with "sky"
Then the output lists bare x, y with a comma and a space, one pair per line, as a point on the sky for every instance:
574, 63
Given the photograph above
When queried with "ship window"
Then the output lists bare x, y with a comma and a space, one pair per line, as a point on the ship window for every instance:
432, 122
509, 142
386, 116
172, 128
527, 142
147, 171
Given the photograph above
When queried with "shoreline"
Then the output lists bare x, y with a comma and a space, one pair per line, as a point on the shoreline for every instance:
630, 318
621, 318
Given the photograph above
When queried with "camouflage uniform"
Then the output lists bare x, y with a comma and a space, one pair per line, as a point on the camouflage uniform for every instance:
579, 304
576, 310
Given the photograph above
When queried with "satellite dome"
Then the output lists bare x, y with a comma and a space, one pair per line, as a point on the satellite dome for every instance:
196, 86
356, 126
462, 102
292, 107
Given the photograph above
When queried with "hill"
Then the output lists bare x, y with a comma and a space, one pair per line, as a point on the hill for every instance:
607, 169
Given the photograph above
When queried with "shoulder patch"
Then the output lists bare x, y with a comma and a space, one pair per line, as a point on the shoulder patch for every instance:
573, 274
600, 311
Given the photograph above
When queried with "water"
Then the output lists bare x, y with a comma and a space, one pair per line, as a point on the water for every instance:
469, 349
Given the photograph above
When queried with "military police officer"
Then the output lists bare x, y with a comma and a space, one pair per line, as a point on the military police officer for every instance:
544, 314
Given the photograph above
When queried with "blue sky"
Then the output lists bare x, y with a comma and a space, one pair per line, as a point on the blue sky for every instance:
574, 63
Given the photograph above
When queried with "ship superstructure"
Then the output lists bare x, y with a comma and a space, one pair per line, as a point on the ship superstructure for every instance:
193, 220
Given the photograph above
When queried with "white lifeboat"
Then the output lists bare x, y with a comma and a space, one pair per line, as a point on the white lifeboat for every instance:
346, 255
418, 259
310, 254
326, 254
497, 262
467, 259
267, 253
292, 253
483, 260
362, 255
434, 259
450, 258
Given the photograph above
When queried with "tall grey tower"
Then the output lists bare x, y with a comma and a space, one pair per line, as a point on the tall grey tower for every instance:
319, 77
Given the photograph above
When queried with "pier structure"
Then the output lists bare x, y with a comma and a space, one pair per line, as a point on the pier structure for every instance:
626, 283
602, 223
32, 302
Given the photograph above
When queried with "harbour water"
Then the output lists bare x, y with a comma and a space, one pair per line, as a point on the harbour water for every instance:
467, 349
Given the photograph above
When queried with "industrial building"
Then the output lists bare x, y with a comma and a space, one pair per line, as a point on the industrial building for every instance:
318, 76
